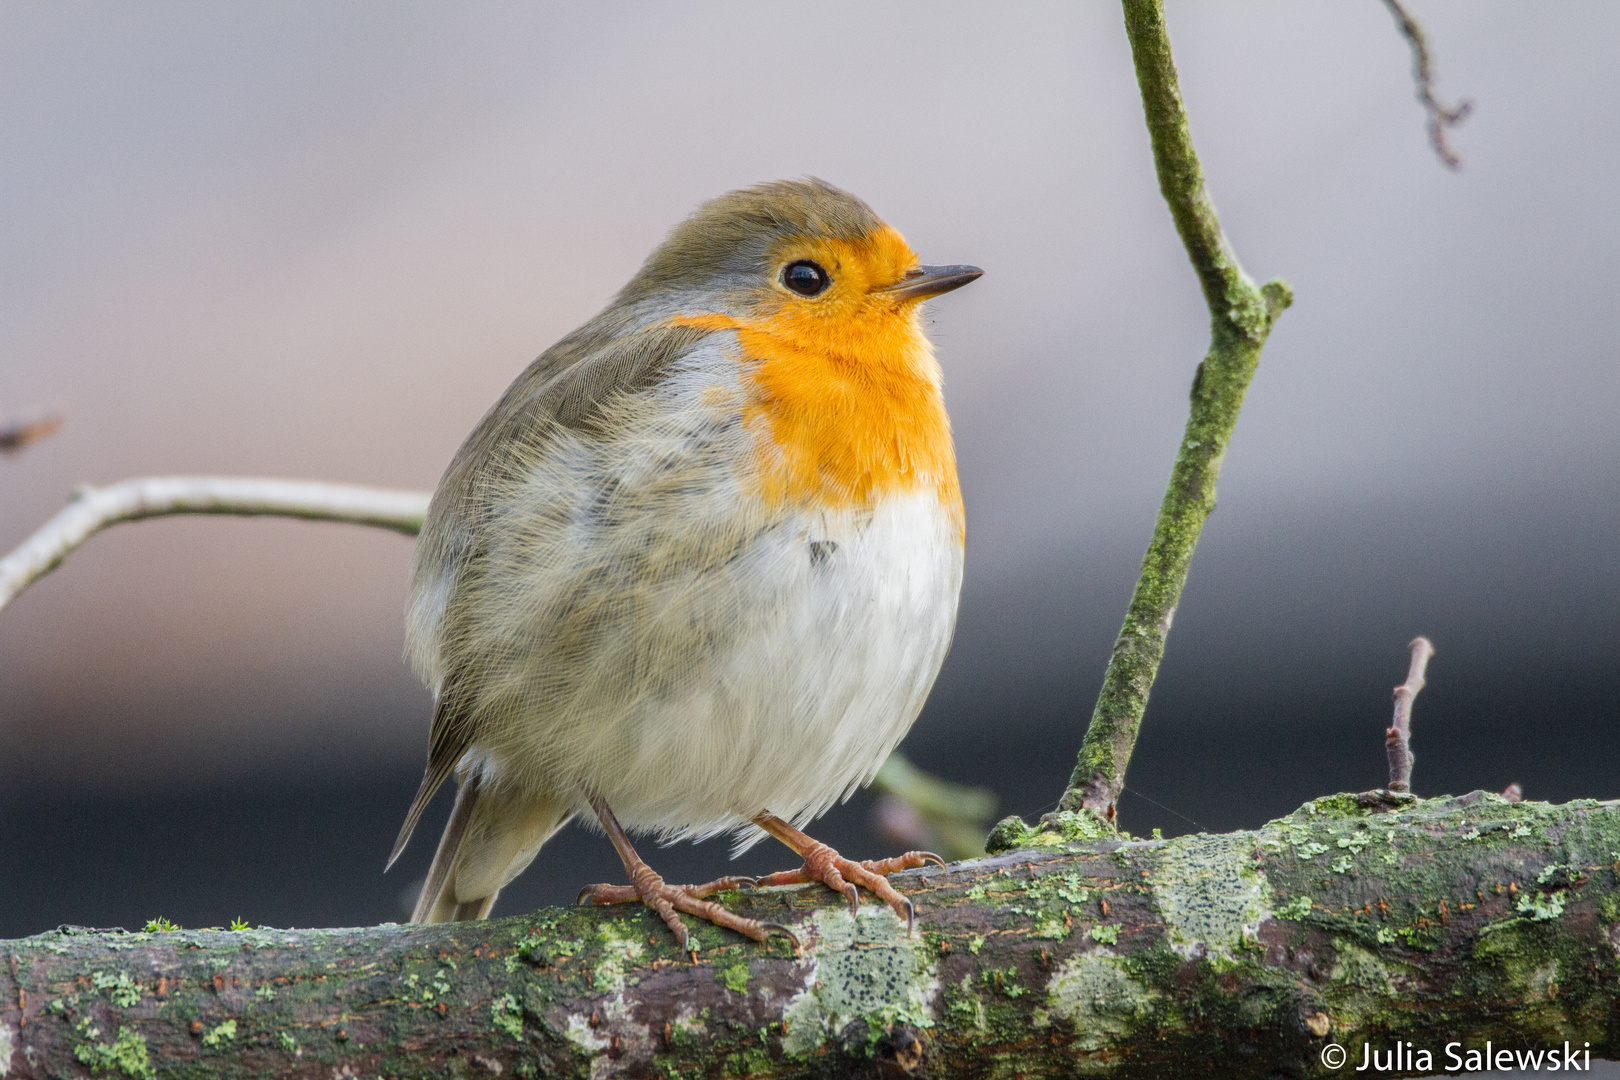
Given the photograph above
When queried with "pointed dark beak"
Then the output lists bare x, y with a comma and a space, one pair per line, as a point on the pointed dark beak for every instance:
924, 281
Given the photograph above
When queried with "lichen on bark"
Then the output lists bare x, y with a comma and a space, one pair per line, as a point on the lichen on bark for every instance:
1356, 918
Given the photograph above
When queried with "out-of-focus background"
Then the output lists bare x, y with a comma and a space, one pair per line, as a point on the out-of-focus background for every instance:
317, 241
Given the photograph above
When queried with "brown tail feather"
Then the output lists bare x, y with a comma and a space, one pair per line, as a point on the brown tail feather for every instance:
431, 782
427, 904
491, 838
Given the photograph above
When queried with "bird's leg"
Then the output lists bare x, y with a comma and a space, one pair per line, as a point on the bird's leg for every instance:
823, 864
646, 886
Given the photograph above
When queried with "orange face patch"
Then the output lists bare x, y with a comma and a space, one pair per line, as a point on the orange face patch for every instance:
846, 391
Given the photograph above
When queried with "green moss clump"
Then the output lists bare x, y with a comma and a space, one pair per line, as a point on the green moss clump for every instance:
126, 1054
222, 1033
1054, 831
119, 986
507, 1015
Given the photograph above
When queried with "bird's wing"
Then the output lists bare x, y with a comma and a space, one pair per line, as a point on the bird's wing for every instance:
568, 394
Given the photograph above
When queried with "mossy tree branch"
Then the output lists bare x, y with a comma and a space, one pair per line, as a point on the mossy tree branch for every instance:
1241, 317
1376, 918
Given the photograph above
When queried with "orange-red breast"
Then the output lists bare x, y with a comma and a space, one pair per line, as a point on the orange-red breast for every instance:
697, 569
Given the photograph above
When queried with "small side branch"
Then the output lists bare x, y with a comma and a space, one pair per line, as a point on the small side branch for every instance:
94, 509
17, 434
1398, 736
1441, 117
918, 810
1241, 318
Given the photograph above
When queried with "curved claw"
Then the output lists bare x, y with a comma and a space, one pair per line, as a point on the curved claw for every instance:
798, 947
911, 914
751, 882
931, 857
854, 894
579, 901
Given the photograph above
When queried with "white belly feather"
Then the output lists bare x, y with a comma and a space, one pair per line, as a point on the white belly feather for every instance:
843, 644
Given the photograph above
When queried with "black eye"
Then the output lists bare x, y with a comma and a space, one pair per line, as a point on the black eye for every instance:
805, 277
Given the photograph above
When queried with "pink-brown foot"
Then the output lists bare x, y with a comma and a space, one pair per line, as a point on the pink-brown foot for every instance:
627, 894
668, 900
845, 876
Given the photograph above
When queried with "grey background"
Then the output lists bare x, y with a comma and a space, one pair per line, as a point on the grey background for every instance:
317, 240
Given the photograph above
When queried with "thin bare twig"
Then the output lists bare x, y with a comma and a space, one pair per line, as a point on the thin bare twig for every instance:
20, 433
1441, 117
1398, 737
93, 509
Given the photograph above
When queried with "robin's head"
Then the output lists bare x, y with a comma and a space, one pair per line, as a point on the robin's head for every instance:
800, 256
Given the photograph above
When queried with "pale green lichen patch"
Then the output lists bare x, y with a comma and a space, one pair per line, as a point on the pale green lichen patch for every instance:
582, 1035
1094, 992
865, 967
733, 978
690, 1027
1538, 907
617, 952
963, 1005
1360, 985
1543, 982
507, 1015
254, 938
221, 1033
121, 989
1209, 893
1295, 909
126, 1054
1514, 964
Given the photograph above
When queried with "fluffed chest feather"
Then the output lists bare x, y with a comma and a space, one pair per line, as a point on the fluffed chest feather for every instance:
646, 605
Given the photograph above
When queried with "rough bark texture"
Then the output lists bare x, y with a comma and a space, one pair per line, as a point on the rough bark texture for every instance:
1370, 918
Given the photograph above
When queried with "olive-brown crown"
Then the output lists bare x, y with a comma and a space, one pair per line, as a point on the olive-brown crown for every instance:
731, 243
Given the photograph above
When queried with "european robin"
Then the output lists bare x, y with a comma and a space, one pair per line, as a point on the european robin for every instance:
697, 569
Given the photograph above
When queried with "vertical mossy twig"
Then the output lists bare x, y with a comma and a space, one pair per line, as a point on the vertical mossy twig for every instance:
1241, 317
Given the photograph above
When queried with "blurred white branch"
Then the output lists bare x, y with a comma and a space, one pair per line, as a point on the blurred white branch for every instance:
93, 509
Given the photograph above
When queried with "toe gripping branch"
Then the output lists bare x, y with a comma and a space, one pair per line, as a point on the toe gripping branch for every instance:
845, 876
666, 899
